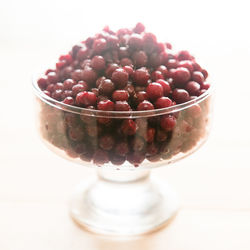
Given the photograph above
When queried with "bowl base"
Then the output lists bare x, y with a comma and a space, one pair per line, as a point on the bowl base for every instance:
123, 207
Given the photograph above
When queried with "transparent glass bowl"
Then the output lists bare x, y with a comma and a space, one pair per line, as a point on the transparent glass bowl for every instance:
124, 146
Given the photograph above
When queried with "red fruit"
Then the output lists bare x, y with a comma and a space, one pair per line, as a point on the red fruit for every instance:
42, 83
141, 76
69, 100
99, 45
168, 122
121, 148
180, 95
197, 76
120, 95
163, 102
126, 62
166, 87
193, 88
122, 106
76, 133
68, 84
80, 87
98, 63
106, 87
128, 127
154, 90
150, 135
100, 157
120, 78
156, 75
145, 105
106, 142
136, 158
86, 98
106, 105
163, 69
187, 64
140, 58
89, 75
135, 41
181, 75
184, 55
139, 28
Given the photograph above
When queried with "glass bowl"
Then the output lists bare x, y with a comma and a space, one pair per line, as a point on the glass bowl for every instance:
124, 147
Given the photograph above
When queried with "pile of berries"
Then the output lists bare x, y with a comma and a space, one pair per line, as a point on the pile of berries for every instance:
127, 70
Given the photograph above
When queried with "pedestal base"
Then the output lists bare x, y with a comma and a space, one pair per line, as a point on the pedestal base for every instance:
123, 204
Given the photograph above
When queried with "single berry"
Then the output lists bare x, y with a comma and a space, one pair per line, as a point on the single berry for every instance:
120, 95
106, 87
166, 86
180, 95
154, 90
163, 102
106, 105
120, 78
145, 105
86, 98
168, 122
141, 76
98, 63
193, 88
106, 142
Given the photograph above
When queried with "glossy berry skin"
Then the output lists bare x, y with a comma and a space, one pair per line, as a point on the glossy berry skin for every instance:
99, 45
197, 76
180, 96
193, 88
98, 63
69, 101
181, 75
120, 78
166, 86
106, 87
156, 75
154, 90
145, 105
163, 102
86, 98
68, 84
140, 58
168, 122
141, 76
80, 87
89, 75
120, 95
122, 106
106, 105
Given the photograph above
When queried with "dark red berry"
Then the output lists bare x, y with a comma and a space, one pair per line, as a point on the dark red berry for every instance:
52, 77
128, 127
184, 55
135, 41
98, 63
89, 75
141, 76
120, 95
180, 95
154, 90
80, 87
58, 85
181, 75
145, 105
168, 122
120, 78
166, 86
110, 69
76, 133
172, 64
42, 83
163, 102
156, 75
193, 88
121, 148
86, 98
197, 76
68, 84
186, 64
106, 87
69, 100
122, 106
99, 45
140, 58
139, 28
100, 157
106, 105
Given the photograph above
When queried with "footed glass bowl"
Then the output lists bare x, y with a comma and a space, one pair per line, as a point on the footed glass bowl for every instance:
124, 147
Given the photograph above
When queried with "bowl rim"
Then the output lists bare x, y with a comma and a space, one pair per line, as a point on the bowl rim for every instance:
116, 114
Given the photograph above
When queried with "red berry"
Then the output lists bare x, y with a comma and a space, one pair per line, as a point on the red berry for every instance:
106, 87
128, 127
193, 88
180, 95
120, 95
106, 142
181, 75
120, 78
168, 122
163, 102
80, 87
122, 148
187, 64
140, 58
197, 76
166, 87
106, 105
68, 84
98, 63
156, 75
135, 41
69, 100
145, 105
139, 28
154, 90
141, 76
42, 83
122, 106
163, 69
184, 55
99, 45
150, 135
86, 98
89, 75
110, 69
100, 157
